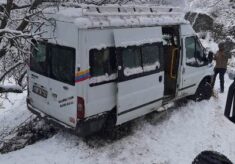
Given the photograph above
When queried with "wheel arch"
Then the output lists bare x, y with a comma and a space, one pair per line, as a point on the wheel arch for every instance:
207, 78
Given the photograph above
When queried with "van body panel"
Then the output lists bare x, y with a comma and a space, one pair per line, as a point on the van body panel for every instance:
137, 36
36, 82
62, 102
131, 96
139, 94
191, 75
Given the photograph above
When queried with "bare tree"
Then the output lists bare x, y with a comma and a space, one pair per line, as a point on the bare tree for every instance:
16, 21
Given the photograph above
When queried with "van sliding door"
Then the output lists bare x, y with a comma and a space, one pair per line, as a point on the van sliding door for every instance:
140, 75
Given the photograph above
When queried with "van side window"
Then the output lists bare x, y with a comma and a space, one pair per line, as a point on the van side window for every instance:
140, 59
194, 53
102, 62
131, 58
151, 57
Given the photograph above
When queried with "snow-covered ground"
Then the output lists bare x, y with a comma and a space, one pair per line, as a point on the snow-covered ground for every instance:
177, 139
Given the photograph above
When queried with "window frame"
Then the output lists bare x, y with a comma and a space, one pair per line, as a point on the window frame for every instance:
196, 41
122, 77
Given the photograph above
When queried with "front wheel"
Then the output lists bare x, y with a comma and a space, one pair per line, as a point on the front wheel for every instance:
204, 91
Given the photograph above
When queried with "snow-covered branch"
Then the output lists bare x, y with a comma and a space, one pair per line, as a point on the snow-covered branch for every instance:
2, 76
16, 24
10, 88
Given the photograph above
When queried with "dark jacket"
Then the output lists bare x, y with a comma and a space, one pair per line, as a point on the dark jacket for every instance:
221, 60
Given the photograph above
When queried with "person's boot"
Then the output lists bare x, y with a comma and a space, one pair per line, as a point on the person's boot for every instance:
222, 87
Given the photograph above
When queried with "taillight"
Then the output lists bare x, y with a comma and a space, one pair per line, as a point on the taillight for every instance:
80, 108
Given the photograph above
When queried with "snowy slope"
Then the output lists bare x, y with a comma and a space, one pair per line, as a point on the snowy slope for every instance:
178, 138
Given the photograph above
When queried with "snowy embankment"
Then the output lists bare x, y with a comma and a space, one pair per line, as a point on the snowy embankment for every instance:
177, 139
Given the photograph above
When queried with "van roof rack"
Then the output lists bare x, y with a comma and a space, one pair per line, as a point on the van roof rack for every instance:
125, 10
94, 16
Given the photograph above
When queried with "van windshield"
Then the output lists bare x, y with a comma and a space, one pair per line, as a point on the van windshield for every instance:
54, 61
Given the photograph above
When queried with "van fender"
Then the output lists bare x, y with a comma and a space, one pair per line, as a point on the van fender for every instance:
207, 78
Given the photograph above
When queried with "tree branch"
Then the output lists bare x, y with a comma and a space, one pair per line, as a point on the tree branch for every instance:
9, 70
13, 88
7, 13
25, 21
21, 78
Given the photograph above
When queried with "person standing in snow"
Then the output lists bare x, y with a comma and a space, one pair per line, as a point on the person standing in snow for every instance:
221, 66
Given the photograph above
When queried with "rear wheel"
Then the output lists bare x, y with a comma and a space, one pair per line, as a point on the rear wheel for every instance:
113, 132
109, 126
204, 91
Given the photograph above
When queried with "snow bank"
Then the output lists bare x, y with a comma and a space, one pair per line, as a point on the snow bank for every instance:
177, 139
13, 111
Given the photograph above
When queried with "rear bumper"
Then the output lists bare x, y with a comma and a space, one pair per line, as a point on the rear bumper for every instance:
83, 128
47, 117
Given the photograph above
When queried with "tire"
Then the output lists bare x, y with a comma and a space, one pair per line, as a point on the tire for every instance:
109, 128
211, 157
111, 131
204, 91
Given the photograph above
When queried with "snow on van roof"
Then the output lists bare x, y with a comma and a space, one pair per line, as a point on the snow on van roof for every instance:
3, 2
91, 16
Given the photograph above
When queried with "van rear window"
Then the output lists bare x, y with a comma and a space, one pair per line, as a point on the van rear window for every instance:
62, 64
38, 59
54, 61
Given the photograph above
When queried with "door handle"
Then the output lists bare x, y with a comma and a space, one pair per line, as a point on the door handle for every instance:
160, 79
65, 87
